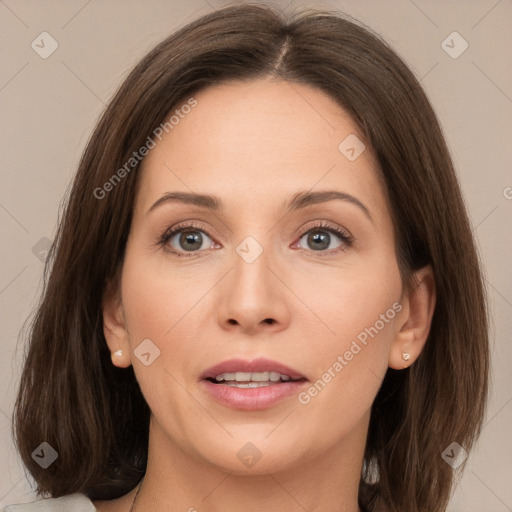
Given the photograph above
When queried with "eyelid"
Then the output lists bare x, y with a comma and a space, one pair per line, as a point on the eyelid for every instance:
328, 226
192, 224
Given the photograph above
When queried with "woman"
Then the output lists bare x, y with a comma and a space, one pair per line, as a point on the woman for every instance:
264, 293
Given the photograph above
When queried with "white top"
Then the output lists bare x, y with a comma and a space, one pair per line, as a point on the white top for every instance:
70, 503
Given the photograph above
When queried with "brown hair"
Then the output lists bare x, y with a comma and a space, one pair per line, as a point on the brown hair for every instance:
94, 414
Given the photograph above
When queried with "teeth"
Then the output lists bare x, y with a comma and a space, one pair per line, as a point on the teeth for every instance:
252, 377
226, 376
256, 377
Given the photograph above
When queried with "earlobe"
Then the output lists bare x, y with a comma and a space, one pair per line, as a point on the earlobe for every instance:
114, 329
415, 320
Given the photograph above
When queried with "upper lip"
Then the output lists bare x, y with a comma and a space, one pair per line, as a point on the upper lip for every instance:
256, 365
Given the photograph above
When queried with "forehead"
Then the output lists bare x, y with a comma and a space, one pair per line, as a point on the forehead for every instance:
259, 141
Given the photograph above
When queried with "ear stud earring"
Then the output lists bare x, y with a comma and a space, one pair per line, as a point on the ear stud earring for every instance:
116, 354
406, 356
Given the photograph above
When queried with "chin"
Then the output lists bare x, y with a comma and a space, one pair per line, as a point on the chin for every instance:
254, 454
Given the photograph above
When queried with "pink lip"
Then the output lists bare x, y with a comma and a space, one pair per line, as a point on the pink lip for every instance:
251, 398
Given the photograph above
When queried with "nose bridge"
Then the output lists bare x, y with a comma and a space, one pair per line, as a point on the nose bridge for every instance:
251, 277
253, 295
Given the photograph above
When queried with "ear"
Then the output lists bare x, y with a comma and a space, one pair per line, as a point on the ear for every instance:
414, 320
114, 327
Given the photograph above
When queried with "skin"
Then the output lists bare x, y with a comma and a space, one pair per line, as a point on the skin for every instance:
254, 145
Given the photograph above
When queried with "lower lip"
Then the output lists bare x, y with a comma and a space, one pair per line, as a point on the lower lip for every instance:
252, 398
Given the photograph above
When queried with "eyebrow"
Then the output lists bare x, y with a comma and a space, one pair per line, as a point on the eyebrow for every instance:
298, 201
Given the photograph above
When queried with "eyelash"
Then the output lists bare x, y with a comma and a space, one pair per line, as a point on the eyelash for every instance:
344, 235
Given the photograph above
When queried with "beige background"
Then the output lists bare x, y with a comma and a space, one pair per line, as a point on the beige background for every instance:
50, 106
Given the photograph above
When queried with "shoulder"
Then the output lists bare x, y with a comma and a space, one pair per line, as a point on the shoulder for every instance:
75, 502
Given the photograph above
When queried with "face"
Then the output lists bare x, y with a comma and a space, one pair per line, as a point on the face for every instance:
311, 285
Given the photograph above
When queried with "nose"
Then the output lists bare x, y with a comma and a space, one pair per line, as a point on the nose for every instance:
253, 297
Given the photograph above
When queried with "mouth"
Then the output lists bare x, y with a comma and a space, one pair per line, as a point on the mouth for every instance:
253, 385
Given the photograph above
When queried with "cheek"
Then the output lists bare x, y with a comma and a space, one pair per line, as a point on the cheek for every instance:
159, 306
167, 306
157, 299
348, 364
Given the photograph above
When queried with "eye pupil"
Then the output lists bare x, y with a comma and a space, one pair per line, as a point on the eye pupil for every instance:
320, 240
191, 237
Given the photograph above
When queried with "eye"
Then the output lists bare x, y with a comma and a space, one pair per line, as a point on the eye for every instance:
183, 239
320, 238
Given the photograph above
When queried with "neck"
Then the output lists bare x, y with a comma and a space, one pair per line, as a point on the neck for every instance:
177, 480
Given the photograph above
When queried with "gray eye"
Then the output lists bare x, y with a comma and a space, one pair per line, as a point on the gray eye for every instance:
319, 240
189, 240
